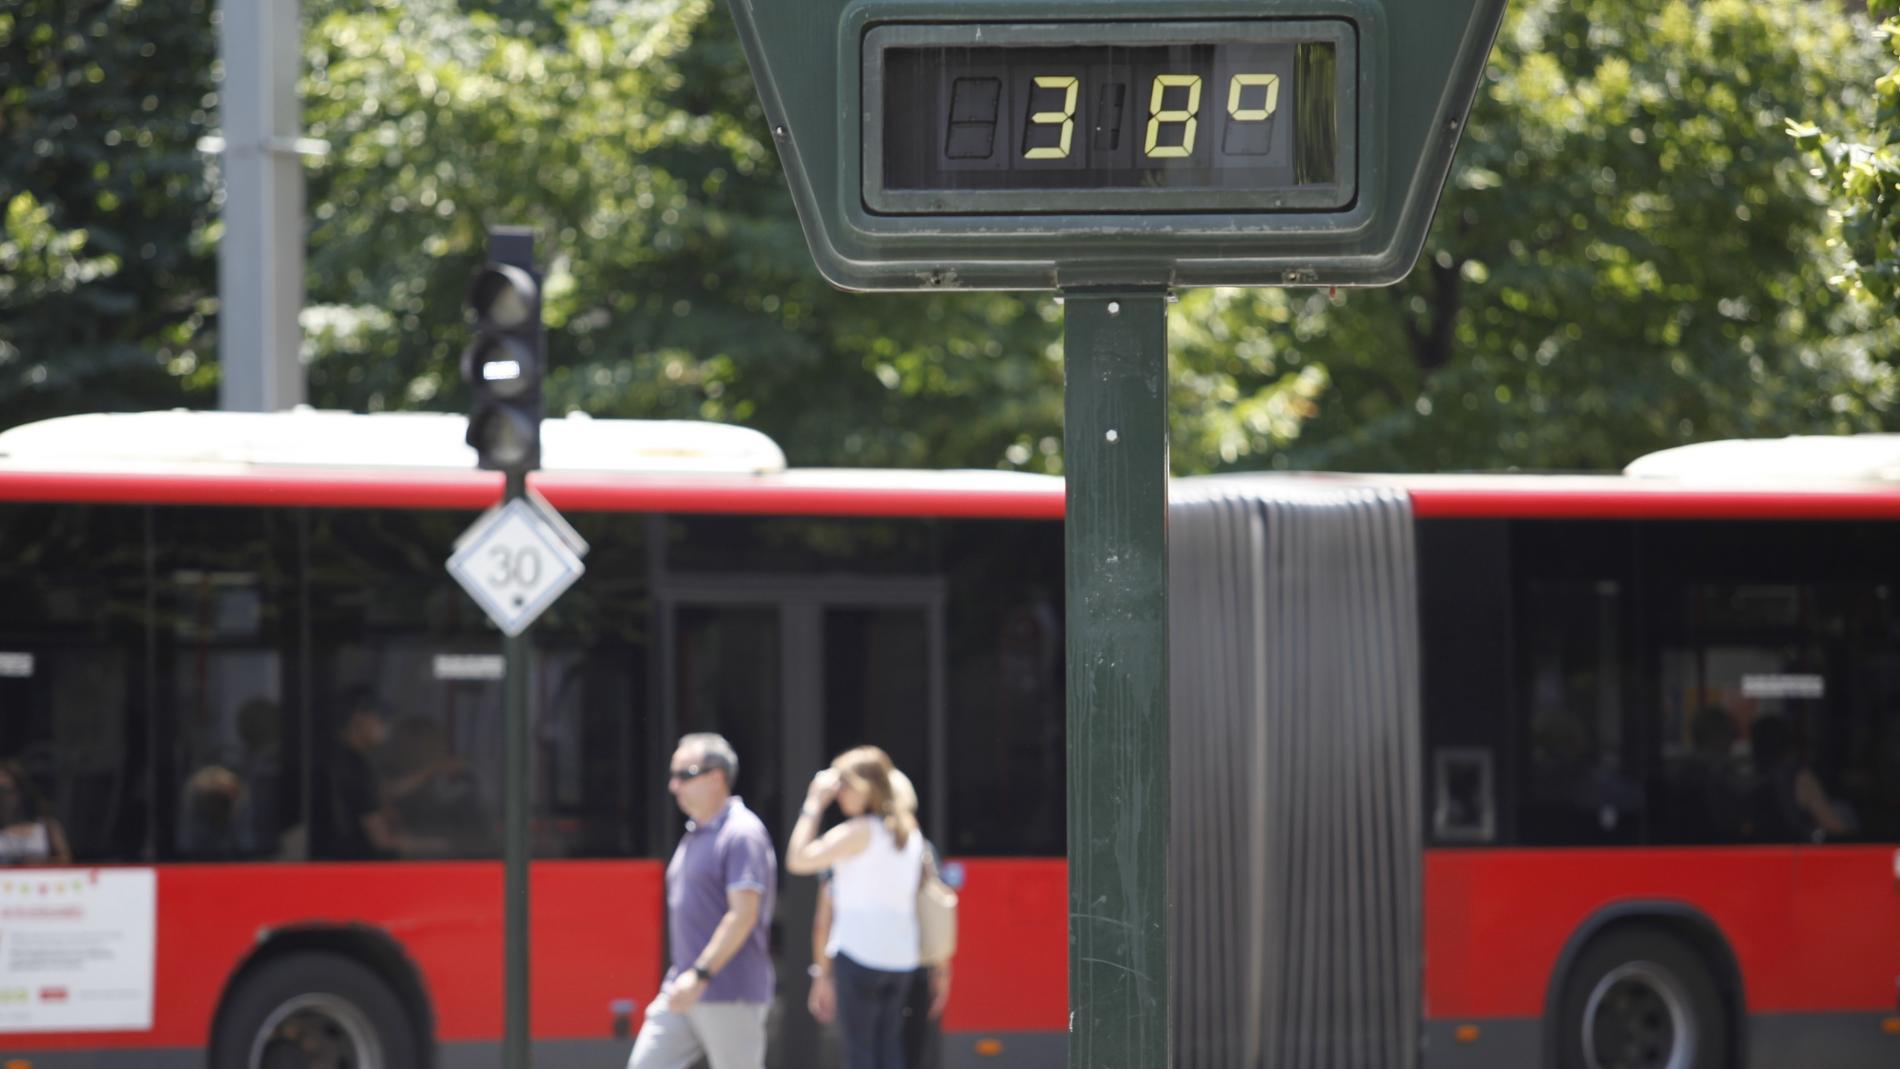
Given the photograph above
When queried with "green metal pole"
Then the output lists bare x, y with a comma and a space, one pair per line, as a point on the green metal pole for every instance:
1115, 457
516, 845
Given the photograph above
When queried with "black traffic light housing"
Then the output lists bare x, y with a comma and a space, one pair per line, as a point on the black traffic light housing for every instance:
505, 363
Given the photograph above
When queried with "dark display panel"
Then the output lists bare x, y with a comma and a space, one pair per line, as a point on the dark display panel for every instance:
1235, 116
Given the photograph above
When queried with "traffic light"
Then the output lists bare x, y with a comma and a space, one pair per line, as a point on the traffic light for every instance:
505, 364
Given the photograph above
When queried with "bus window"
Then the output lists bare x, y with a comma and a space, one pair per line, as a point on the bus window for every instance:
1007, 759
877, 686
226, 640
73, 718
406, 692
1581, 782
1866, 763
729, 677
1465, 621
1776, 654
597, 728
408, 679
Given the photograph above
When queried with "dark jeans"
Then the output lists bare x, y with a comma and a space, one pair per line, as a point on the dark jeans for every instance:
920, 1032
870, 1014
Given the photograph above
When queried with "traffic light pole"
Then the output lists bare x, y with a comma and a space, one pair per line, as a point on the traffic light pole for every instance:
1115, 449
515, 560
517, 845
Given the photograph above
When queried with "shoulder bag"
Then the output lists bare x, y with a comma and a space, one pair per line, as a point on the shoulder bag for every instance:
936, 914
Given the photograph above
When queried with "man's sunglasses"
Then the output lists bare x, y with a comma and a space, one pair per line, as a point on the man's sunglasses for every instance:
690, 772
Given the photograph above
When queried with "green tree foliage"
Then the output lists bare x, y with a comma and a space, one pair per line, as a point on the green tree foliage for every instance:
1627, 257
679, 283
1863, 178
107, 267
1629, 254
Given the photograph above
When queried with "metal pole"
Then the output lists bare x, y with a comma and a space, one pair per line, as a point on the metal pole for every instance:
1116, 547
517, 845
261, 256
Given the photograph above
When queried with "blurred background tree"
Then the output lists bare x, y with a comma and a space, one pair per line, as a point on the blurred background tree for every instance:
1862, 173
1631, 252
1629, 255
679, 283
108, 263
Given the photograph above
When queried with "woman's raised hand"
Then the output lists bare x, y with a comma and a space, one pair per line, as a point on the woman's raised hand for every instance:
824, 787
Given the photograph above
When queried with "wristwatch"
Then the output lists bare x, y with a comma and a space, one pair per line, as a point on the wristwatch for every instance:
705, 974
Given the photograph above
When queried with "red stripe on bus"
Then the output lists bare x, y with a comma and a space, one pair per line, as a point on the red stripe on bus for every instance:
1658, 504
478, 490
768, 499
769, 496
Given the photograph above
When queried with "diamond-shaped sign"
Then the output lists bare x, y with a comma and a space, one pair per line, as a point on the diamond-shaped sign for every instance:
514, 562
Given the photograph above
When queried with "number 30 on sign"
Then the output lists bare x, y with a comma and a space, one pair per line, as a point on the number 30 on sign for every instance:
515, 560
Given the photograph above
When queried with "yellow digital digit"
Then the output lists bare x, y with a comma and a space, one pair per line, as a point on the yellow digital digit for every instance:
1242, 82
1060, 151
1158, 115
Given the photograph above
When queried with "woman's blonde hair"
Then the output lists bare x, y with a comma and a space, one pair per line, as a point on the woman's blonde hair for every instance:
869, 769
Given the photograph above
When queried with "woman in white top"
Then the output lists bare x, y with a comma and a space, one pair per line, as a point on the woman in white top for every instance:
876, 858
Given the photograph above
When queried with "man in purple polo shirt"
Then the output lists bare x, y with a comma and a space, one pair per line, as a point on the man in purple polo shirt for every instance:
719, 890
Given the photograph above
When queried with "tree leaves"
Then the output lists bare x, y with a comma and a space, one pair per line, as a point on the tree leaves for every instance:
101, 108
1863, 180
1631, 252
679, 282
1628, 256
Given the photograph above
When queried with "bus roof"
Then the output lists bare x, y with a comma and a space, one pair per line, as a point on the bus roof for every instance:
1851, 458
336, 459
419, 459
308, 438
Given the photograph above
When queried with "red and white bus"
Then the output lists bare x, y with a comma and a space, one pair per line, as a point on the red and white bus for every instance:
1618, 859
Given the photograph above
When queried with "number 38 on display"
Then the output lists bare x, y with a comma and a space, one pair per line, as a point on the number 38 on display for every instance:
1173, 111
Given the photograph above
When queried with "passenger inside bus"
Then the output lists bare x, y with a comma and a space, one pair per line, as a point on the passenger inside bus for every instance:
213, 820
28, 836
350, 820
1705, 785
433, 796
261, 768
1787, 801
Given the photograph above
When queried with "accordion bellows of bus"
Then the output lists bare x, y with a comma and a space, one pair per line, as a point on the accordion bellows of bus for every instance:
1571, 771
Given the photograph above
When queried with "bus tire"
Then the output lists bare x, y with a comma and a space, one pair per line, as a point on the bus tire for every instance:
1639, 997
311, 1009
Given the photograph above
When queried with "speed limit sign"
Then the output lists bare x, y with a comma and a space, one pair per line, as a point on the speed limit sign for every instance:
515, 562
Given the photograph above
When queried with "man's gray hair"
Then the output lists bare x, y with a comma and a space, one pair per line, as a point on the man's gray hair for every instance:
716, 752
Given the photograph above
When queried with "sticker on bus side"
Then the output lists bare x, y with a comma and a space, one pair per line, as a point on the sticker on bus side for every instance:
77, 949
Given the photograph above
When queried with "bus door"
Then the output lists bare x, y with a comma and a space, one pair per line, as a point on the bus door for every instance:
793, 670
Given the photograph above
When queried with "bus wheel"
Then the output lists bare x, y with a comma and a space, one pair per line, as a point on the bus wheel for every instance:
314, 1011
1641, 998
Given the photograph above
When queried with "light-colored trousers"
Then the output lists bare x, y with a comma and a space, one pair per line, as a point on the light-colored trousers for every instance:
729, 1035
